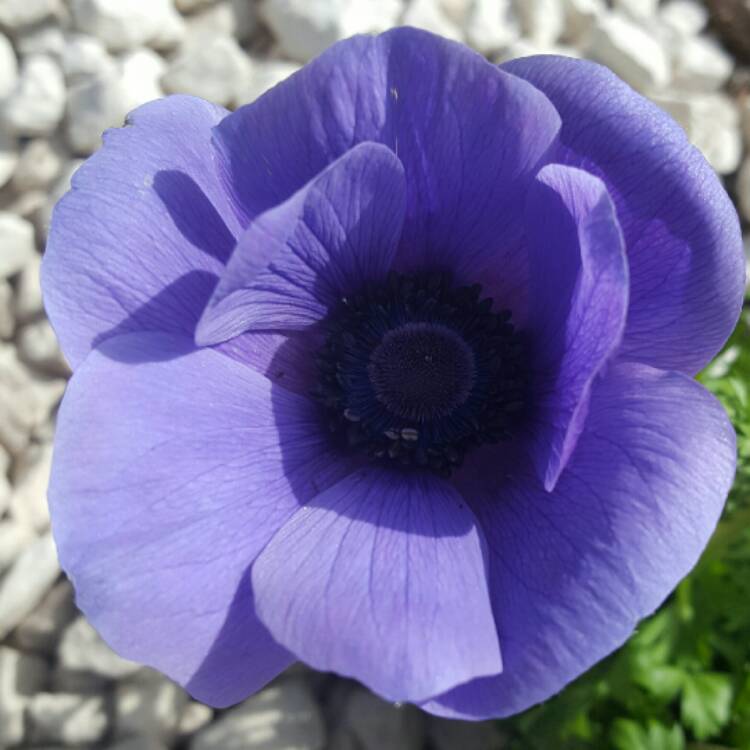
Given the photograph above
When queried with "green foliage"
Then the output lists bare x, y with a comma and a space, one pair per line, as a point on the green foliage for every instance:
682, 682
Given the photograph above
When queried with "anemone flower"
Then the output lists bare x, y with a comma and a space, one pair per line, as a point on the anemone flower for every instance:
390, 372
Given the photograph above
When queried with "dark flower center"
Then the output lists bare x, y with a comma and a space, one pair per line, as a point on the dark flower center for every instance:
417, 372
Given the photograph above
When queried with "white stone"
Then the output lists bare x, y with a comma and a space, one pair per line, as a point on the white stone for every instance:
377, 724
151, 706
16, 244
40, 162
21, 675
687, 17
7, 326
189, 6
43, 39
127, 25
428, 15
264, 74
580, 18
639, 10
194, 718
26, 582
701, 63
456, 10
171, 29
215, 68
711, 122
630, 51
25, 205
41, 630
37, 103
745, 118
14, 538
491, 25
216, 20
94, 105
85, 57
15, 14
8, 67
28, 503
83, 650
25, 401
67, 718
743, 189
542, 21
285, 717
139, 742
8, 155
28, 297
246, 18
141, 73
304, 28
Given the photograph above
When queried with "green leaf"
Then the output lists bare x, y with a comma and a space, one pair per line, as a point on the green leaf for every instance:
706, 703
630, 735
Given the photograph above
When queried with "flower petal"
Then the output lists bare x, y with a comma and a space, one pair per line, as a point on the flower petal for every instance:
467, 164
331, 237
578, 304
573, 571
168, 479
681, 230
382, 578
138, 241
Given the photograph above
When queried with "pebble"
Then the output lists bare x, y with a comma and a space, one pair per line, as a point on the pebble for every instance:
40, 162
194, 717
140, 76
28, 297
702, 64
214, 68
15, 14
8, 67
138, 743
452, 735
85, 57
304, 28
743, 189
21, 676
377, 724
41, 630
639, 10
94, 105
128, 25
7, 326
83, 650
14, 538
631, 52
46, 38
283, 717
151, 705
428, 15
8, 156
687, 17
264, 74
17, 242
491, 25
28, 503
26, 582
67, 718
580, 18
543, 21
37, 103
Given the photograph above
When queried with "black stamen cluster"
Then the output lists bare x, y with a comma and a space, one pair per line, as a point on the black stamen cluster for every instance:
417, 372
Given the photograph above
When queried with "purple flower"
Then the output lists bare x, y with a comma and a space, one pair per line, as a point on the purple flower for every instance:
391, 372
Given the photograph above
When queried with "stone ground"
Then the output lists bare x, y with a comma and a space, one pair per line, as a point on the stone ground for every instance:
70, 69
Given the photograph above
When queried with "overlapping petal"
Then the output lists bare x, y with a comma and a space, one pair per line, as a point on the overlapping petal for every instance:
169, 477
138, 241
334, 235
681, 230
467, 166
573, 571
382, 578
578, 302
